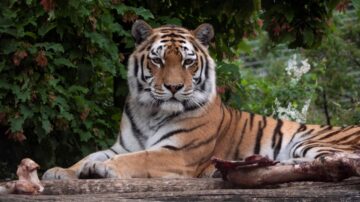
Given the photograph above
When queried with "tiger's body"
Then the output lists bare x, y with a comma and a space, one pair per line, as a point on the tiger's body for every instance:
173, 121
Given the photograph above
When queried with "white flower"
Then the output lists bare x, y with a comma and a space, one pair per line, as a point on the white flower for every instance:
296, 68
290, 112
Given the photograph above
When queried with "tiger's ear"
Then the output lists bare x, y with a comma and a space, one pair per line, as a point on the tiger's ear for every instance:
204, 32
140, 31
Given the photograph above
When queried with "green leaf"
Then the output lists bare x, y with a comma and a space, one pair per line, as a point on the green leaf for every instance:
85, 136
46, 125
8, 46
64, 62
26, 111
29, 2
120, 8
45, 28
16, 124
55, 47
308, 37
146, 14
289, 14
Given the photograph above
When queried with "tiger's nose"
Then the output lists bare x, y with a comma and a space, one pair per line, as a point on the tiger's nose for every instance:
174, 88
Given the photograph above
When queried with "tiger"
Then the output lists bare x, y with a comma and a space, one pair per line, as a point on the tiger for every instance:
174, 121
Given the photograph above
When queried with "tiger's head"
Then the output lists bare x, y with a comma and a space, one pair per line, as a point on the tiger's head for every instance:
171, 68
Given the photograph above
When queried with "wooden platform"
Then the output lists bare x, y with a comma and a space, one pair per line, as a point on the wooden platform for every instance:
190, 190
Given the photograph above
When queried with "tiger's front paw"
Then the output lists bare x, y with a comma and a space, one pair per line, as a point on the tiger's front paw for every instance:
58, 173
97, 169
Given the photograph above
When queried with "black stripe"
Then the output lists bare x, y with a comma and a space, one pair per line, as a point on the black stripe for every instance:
121, 143
142, 68
327, 128
139, 86
307, 148
348, 128
347, 137
301, 128
178, 148
113, 150
300, 144
107, 156
262, 125
321, 154
202, 87
197, 46
201, 66
173, 35
175, 132
251, 120
279, 135
201, 161
136, 68
331, 134
148, 44
239, 144
193, 107
136, 131
355, 142
173, 148
206, 68
188, 146
226, 128
222, 119
164, 121
172, 29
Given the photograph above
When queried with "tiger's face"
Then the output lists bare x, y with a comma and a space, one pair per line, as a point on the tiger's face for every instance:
171, 68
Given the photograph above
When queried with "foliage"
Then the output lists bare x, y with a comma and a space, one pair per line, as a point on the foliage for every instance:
299, 23
56, 77
335, 69
258, 91
339, 56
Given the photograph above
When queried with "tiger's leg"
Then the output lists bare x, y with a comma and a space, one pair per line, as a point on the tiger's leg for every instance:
73, 171
162, 163
310, 150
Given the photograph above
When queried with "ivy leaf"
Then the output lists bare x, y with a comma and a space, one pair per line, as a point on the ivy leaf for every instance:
55, 47
64, 62
16, 124
44, 29
26, 111
289, 14
85, 136
308, 37
146, 14
8, 46
46, 125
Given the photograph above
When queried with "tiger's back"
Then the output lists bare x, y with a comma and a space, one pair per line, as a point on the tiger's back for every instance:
173, 121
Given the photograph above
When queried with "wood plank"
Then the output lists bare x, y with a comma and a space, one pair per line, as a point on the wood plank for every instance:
190, 190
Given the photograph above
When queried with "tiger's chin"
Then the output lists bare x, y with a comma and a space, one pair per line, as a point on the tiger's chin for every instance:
172, 106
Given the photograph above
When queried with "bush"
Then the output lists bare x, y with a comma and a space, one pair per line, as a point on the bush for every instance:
56, 77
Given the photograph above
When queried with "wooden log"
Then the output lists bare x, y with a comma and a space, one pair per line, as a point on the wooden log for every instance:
189, 190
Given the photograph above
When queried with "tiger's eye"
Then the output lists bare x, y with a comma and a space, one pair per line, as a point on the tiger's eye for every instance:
188, 61
156, 60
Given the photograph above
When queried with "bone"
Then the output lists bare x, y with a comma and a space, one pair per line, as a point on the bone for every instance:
28, 182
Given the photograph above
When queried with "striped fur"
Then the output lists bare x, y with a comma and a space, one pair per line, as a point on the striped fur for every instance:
173, 121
